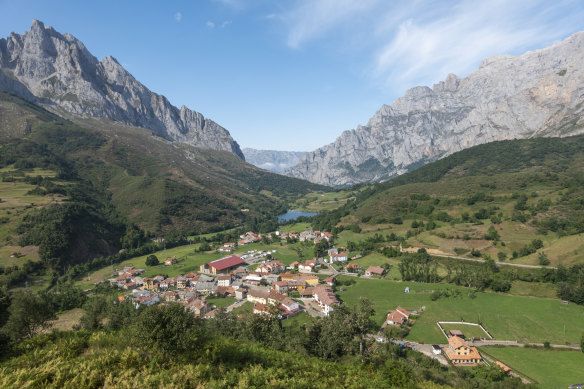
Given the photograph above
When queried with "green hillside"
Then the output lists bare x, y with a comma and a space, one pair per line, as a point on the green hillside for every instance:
496, 199
73, 191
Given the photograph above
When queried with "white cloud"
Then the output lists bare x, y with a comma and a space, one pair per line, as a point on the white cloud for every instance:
178, 16
210, 24
418, 42
225, 23
313, 18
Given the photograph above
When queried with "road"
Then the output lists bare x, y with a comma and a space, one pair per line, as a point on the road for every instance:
496, 262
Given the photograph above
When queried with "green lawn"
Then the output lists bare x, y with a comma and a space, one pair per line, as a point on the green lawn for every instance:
505, 317
221, 302
550, 368
377, 259
246, 307
298, 320
468, 330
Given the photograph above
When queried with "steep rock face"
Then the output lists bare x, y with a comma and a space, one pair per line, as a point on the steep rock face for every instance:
540, 93
273, 160
57, 71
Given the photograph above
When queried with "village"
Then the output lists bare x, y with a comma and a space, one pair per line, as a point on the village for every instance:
273, 288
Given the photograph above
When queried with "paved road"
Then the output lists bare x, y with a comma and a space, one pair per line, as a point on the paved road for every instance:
513, 343
496, 262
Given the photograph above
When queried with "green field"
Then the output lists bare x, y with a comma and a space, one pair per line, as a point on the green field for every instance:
524, 319
468, 330
550, 368
302, 318
221, 302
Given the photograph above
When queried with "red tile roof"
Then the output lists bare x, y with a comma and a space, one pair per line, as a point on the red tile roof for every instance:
225, 263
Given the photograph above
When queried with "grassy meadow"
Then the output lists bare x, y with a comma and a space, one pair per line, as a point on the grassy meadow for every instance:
525, 319
548, 367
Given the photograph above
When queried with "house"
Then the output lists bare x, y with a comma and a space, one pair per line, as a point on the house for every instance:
181, 282
271, 278
224, 280
147, 300
261, 309
271, 267
374, 271
205, 287
171, 296
222, 266
294, 265
330, 281
308, 266
289, 308
280, 286
460, 353
130, 286
275, 298
170, 261
150, 283
397, 317
258, 296
227, 248
353, 267
338, 257
241, 293
307, 235
309, 279
197, 306
325, 298
250, 237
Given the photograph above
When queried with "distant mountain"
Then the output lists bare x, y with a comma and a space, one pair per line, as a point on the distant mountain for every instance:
273, 160
540, 93
57, 71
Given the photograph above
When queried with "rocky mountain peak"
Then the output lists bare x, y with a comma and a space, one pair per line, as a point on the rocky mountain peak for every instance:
540, 93
58, 72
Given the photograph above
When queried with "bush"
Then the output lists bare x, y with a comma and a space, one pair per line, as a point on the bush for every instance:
152, 260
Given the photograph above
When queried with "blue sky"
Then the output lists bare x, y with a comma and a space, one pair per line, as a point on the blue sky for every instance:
294, 74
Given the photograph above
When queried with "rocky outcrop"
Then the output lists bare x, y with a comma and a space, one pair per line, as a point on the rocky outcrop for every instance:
273, 160
540, 93
57, 71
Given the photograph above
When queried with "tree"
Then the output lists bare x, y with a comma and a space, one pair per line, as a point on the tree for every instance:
169, 328
361, 320
543, 259
152, 260
28, 313
94, 311
582, 342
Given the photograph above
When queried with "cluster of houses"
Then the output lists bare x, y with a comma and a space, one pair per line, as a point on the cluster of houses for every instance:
306, 236
229, 276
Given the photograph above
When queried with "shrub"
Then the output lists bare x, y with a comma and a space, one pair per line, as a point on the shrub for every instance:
152, 260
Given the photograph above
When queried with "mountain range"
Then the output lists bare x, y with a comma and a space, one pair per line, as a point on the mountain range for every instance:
57, 71
273, 160
540, 93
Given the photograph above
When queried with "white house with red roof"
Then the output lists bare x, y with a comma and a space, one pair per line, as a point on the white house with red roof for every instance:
398, 317
338, 257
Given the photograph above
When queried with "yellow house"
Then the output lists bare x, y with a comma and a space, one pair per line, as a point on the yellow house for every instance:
310, 279
460, 353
